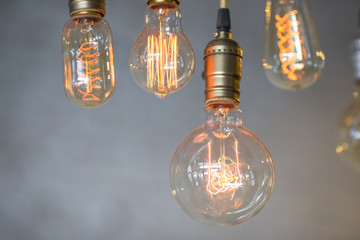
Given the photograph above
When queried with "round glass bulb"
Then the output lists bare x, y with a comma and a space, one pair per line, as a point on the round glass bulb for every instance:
293, 58
88, 61
222, 174
162, 59
349, 133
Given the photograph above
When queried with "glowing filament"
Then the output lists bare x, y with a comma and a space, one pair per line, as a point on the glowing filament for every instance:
290, 44
162, 63
89, 79
224, 176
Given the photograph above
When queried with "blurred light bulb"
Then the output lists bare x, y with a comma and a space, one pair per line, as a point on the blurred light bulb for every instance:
161, 59
348, 134
293, 58
88, 55
222, 174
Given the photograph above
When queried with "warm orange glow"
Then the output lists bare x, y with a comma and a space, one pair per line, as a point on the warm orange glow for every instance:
162, 63
290, 44
87, 59
224, 177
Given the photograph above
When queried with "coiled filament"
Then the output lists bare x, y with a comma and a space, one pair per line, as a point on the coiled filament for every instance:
89, 79
224, 176
290, 45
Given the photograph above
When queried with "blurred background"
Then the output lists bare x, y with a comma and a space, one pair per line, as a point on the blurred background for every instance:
72, 174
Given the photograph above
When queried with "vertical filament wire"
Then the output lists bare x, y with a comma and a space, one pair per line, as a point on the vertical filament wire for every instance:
162, 63
290, 44
87, 59
225, 176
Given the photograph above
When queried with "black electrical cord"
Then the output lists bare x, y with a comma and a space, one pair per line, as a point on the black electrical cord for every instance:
223, 19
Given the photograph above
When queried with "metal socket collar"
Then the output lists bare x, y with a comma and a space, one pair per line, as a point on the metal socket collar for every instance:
176, 2
87, 7
223, 63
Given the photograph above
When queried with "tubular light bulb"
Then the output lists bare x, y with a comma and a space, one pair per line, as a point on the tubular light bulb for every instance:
222, 174
348, 134
293, 58
88, 55
162, 60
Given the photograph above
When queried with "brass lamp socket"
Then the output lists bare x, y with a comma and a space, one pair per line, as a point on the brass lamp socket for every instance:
223, 64
88, 7
176, 2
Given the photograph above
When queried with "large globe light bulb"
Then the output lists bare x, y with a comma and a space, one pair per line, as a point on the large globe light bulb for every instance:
162, 59
222, 174
293, 58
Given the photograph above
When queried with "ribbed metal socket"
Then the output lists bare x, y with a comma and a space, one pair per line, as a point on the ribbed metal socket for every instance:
87, 6
176, 2
223, 64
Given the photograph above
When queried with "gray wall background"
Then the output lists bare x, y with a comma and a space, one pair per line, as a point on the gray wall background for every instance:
73, 174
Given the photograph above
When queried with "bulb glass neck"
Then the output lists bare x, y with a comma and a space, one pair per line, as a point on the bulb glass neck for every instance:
163, 18
222, 113
161, 9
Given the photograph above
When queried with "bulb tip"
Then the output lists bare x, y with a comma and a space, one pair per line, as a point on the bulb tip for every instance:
160, 93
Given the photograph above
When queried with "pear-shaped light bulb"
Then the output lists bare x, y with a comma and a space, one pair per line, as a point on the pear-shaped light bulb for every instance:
222, 174
348, 134
293, 58
161, 59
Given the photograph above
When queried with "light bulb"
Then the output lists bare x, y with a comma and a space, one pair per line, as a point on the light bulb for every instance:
293, 58
162, 60
348, 133
88, 54
222, 174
